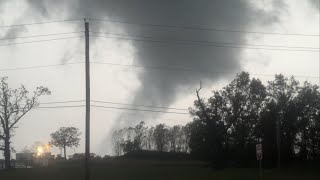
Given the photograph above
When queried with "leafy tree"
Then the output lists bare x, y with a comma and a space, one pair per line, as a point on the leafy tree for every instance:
244, 99
308, 108
282, 91
160, 137
128, 146
14, 104
268, 126
207, 132
199, 147
228, 121
135, 138
66, 137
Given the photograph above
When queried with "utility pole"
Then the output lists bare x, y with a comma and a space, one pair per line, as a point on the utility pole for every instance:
279, 138
87, 69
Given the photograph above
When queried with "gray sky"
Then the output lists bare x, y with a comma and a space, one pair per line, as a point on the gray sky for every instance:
125, 84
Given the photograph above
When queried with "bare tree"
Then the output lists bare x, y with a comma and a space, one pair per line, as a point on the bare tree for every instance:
139, 135
66, 137
118, 141
150, 139
160, 135
185, 139
14, 104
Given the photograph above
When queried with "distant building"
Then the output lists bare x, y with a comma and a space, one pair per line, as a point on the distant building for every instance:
59, 156
25, 156
27, 159
78, 156
32, 156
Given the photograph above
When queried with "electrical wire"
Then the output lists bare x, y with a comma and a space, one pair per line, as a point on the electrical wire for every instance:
27, 42
54, 107
184, 120
185, 69
61, 102
202, 44
40, 35
148, 106
201, 28
148, 67
133, 109
34, 67
206, 42
109, 102
38, 23
109, 107
163, 26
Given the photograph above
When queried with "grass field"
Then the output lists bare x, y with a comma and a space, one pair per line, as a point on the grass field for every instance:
153, 170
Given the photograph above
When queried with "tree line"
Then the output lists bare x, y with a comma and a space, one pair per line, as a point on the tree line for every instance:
161, 138
283, 115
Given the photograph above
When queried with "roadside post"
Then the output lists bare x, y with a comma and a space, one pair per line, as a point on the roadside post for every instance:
259, 158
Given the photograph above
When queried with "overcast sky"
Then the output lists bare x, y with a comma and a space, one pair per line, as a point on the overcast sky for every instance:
136, 85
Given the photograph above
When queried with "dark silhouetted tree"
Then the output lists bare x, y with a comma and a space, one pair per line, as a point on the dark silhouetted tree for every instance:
308, 108
282, 91
14, 104
227, 126
66, 137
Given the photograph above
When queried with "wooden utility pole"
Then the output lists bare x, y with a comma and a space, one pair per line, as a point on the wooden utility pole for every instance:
87, 64
279, 138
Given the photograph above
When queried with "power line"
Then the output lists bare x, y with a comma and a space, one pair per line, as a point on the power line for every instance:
205, 42
109, 102
202, 28
133, 109
38, 23
27, 42
76, 106
186, 69
34, 67
202, 44
40, 35
60, 102
147, 67
160, 107
135, 113
54, 107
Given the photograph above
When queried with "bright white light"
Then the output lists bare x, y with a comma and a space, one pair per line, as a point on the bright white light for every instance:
40, 150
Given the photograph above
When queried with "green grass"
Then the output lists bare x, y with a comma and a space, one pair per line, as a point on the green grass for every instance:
153, 170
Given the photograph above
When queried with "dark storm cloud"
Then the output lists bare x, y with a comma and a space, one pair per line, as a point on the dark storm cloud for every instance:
163, 87
9, 33
315, 3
